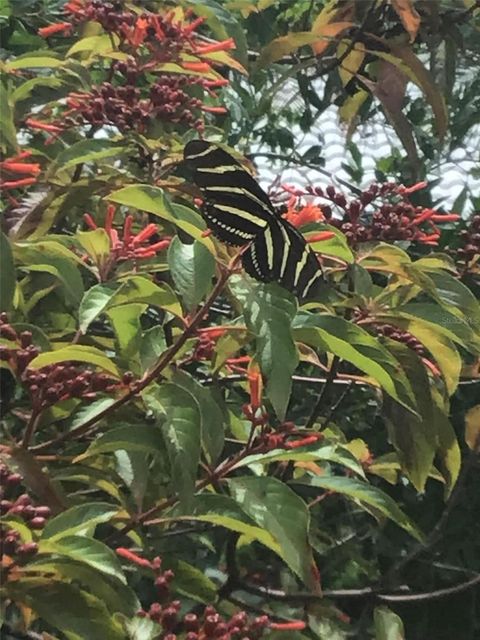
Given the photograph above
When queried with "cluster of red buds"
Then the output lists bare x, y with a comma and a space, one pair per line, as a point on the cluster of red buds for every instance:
128, 245
209, 625
394, 333
53, 383
16, 173
207, 340
468, 253
159, 39
125, 108
381, 212
21, 506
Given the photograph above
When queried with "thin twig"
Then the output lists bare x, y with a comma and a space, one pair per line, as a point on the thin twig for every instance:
325, 389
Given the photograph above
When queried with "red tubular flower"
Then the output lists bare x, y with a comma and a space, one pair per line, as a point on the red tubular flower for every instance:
225, 45
201, 67
90, 221
319, 237
425, 215
144, 234
306, 215
294, 625
46, 32
295, 444
42, 126
219, 110
132, 557
157, 246
193, 25
19, 167
415, 187
15, 184
445, 217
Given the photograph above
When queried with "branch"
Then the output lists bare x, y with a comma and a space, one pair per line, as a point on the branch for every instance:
325, 389
164, 360
368, 592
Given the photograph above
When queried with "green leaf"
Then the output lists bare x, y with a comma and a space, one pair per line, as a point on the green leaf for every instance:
8, 133
192, 267
457, 297
96, 243
152, 345
86, 550
141, 289
86, 151
33, 62
284, 45
94, 302
278, 510
472, 428
448, 449
7, 274
353, 344
368, 495
193, 583
25, 90
94, 44
212, 417
413, 436
79, 520
76, 613
433, 338
75, 353
224, 512
125, 321
147, 439
269, 311
328, 453
180, 421
336, 246
153, 199
388, 626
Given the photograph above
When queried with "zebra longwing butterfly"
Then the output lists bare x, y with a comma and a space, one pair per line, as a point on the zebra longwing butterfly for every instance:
238, 212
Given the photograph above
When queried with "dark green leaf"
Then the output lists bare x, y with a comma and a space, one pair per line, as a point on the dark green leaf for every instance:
192, 267
269, 311
7, 274
79, 520
278, 510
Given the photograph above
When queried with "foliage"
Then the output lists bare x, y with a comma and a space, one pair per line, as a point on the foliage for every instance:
171, 466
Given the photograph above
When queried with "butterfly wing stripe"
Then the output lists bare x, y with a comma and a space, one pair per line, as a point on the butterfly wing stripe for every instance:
241, 213
221, 169
248, 198
190, 155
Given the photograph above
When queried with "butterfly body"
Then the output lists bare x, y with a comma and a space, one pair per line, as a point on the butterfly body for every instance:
239, 212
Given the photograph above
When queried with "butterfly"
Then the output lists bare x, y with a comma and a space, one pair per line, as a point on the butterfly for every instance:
239, 212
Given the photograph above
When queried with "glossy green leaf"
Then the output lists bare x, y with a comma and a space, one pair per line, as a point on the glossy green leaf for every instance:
369, 495
180, 421
277, 509
153, 200
152, 345
79, 520
388, 625
96, 243
125, 320
94, 302
87, 151
34, 62
86, 550
192, 268
212, 417
442, 348
7, 274
75, 353
353, 344
413, 436
329, 453
269, 311
73, 611
147, 439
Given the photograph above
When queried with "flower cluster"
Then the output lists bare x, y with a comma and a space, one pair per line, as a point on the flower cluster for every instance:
124, 107
18, 505
53, 383
16, 173
285, 436
394, 333
129, 100
208, 625
128, 245
381, 212
468, 253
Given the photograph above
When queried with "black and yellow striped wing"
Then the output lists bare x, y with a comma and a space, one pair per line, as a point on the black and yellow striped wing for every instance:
235, 207
280, 254
239, 212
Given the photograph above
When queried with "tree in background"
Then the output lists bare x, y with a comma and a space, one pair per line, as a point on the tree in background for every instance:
188, 453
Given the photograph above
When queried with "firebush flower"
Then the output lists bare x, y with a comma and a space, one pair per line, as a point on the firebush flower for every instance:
52, 29
17, 172
381, 212
127, 246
